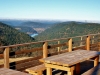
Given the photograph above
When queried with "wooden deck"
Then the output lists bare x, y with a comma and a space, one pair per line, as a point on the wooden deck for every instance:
51, 47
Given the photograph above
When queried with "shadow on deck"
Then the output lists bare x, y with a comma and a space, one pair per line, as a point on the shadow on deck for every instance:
85, 66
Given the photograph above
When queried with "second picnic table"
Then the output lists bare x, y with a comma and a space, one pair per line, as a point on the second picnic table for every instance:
69, 61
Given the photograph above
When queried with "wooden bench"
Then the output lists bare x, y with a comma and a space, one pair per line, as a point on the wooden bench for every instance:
36, 70
5, 71
93, 71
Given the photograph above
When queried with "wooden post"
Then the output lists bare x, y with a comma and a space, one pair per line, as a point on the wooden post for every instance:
45, 49
49, 71
88, 43
6, 58
70, 45
81, 41
93, 40
58, 47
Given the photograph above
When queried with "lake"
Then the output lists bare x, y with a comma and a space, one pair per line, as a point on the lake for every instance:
33, 35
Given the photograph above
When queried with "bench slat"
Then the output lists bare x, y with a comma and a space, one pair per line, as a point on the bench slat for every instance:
36, 68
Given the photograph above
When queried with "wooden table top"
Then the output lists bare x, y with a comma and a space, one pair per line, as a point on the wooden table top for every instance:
70, 58
5, 71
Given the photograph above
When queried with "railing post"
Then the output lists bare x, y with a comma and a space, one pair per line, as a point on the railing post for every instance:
45, 49
88, 43
6, 58
93, 40
81, 41
70, 45
58, 47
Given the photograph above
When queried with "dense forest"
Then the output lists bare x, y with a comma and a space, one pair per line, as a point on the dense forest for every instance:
68, 29
9, 35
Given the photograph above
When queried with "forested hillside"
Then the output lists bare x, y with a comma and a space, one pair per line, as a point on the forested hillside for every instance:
9, 35
69, 29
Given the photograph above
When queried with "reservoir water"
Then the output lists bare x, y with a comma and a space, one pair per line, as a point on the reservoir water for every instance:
33, 35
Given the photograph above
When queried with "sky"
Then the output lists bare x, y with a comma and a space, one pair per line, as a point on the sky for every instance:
50, 9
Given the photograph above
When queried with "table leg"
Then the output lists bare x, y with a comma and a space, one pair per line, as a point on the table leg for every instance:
70, 73
49, 71
39, 73
96, 61
77, 69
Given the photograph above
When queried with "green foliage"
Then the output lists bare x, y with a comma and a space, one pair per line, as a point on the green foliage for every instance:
69, 29
9, 36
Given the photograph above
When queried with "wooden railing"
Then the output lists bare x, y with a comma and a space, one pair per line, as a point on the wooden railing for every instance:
42, 49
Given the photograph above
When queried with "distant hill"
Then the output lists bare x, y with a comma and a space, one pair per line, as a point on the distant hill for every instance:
12, 22
35, 24
69, 29
26, 29
17, 22
33, 27
29, 26
9, 35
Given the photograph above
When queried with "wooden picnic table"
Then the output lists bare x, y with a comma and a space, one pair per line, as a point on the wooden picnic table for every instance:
69, 61
5, 71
